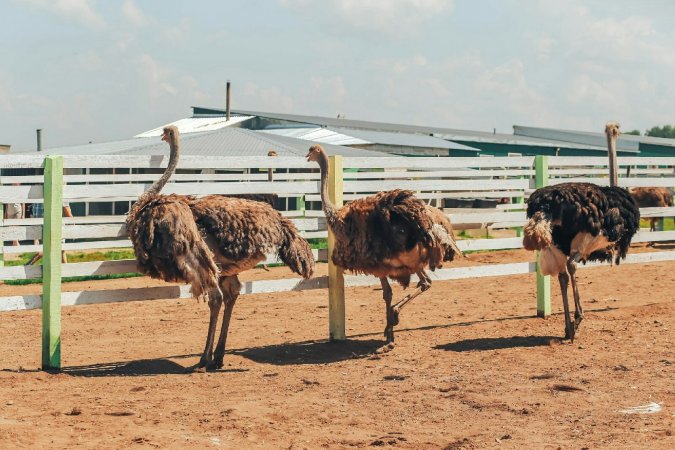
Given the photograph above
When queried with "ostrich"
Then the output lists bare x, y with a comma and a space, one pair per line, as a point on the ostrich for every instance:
572, 222
391, 234
207, 242
652, 197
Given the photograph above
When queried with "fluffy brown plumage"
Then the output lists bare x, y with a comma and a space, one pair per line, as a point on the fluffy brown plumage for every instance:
185, 239
391, 234
574, 222
652, 197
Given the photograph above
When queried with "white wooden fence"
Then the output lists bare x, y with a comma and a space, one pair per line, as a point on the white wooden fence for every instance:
434, 179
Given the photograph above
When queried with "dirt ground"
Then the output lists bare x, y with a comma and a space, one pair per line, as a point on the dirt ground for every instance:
473, 368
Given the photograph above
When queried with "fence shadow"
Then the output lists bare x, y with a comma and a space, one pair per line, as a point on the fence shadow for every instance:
137, 368
482, 344
310, 352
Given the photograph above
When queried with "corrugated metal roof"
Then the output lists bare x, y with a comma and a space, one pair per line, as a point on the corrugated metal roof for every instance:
443, 133
626, 142
223, 142
197, 124
349, 136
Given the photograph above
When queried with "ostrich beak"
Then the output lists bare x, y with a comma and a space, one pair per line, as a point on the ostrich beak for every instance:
165, 136
308, 155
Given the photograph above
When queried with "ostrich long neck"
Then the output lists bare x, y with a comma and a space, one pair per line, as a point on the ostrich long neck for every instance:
611, 150
158, 185
329, 208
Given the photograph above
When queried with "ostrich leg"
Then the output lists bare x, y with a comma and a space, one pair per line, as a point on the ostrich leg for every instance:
387, 294
564, 279
230, 287
215, 301
423, 285
578, 311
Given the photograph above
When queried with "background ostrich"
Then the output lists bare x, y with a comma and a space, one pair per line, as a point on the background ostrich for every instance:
391, 234
652, 197
574, 222
207, 242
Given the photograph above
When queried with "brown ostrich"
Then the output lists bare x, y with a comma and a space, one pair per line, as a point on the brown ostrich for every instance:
391, 234
572, 222
207, 242
652, 197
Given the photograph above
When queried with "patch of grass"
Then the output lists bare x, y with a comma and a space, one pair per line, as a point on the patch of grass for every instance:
668, 225
318, 243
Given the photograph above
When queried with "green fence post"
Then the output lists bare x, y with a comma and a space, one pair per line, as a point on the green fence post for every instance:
543, 282
51, 263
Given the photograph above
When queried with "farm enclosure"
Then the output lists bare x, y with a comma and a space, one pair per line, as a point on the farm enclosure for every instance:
470, 351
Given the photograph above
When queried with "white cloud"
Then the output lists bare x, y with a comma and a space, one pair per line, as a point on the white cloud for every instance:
332, 89
156, 76
393, 17
134, 14
81, 11
270, 99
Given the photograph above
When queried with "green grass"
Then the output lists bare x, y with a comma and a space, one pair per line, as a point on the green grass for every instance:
669, 224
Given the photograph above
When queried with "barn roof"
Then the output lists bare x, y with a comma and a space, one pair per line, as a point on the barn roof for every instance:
221, 142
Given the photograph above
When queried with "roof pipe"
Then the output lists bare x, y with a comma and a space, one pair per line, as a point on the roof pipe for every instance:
39, 139
227, 101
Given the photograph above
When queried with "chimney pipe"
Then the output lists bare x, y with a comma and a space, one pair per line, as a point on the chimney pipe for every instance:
39, 139
227, 101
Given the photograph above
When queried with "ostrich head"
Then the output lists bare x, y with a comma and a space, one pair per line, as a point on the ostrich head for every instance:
170, 134
316, 153
612, 129
272, 153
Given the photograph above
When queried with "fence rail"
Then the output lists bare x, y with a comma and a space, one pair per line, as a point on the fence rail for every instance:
471, 181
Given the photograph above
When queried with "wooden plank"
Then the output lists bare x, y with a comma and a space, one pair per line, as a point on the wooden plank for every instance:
435, 195
15, 161
186, 162
434, 185
623, 182
51, 264
599, 161
22, 194
497, 216
336, 282
418, 174
657, 212
437, 162
20, 272
467, 245
105, 192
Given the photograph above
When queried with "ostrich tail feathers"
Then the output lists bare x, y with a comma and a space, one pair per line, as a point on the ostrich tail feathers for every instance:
295, 252
537, 233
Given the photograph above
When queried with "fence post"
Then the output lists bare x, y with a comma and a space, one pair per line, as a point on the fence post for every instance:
336, 283
51, 263
543, 282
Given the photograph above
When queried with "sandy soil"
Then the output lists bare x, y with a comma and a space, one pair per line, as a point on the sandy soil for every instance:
473, 368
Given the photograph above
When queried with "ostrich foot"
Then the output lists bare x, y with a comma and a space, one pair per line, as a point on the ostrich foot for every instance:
216, 364
569, 334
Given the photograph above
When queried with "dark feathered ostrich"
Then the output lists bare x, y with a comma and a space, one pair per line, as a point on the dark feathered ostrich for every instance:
389, 235
207, 242
574, 222
652, 197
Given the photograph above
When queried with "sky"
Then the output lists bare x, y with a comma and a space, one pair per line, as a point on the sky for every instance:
95, 71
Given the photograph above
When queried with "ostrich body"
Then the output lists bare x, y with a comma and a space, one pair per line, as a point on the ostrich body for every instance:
206, 242
574, 222
391, 234
652, 197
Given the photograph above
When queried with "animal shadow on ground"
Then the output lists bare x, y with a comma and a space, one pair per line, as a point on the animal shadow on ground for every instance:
499, 343
310, 352
138, 368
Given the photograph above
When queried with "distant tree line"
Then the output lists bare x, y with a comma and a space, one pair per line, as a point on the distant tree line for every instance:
666, 131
